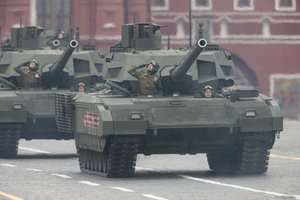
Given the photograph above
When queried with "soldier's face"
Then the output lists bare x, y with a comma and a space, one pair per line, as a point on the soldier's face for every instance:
207, 93
32, 65
81, 88
150, 67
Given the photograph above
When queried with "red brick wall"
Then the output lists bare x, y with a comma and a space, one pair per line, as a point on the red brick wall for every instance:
10, 12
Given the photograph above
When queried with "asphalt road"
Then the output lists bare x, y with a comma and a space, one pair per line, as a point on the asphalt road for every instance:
47, 170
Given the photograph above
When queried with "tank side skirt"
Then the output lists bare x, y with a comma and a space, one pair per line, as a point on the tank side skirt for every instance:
117, 160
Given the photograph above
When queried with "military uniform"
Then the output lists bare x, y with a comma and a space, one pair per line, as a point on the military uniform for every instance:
149, 83
31, 78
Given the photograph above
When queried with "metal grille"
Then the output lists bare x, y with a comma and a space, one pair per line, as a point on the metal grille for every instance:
63, 112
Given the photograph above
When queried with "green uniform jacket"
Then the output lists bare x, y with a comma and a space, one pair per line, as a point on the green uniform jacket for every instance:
149, 83
31, 78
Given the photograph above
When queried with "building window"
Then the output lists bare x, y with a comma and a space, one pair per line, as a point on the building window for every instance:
285, 5
201, 4
243, 5
160, 5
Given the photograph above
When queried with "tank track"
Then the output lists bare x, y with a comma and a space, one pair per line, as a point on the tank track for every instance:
9, 141
117, 161
251, 158
255, 154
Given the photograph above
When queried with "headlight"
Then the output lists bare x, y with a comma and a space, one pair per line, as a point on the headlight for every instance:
250, 113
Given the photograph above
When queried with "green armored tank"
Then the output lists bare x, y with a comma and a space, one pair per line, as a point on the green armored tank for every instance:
235, 129
27, 103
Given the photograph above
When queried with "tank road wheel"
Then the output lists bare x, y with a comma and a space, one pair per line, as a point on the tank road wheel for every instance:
251, 158
9, 140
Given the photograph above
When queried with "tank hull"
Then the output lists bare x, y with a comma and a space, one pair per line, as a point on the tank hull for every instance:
178, 125
34, 111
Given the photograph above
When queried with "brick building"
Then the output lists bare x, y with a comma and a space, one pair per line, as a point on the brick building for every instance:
264, 36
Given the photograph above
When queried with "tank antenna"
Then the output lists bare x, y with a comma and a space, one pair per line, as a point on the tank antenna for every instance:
77, 36
21, 33
190, 22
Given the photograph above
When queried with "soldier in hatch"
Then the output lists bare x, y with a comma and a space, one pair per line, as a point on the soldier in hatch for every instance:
149, 81
208, 92
28, 71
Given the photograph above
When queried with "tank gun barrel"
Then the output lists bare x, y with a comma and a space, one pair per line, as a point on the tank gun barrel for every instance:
59, 65
180, 71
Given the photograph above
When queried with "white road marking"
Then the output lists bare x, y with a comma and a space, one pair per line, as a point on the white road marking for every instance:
297, 197
237, 186
122, 189
154, 197
61, 175
35, 170
9, 196
284, 157
8, 165
89, 183
34, 150
144, 168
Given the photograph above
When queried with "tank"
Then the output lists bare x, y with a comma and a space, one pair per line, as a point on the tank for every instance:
29, 113
235, 128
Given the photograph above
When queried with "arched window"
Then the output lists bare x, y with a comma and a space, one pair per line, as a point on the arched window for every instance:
201, 4
160, 5
243, 5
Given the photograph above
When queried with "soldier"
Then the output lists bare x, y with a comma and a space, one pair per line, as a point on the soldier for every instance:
81, 87
149, 81
28, 71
